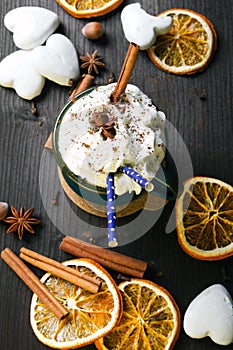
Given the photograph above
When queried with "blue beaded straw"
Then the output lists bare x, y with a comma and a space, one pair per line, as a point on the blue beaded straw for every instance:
111, 211
144, 183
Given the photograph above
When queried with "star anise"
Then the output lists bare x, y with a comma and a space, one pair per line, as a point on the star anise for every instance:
108, 130
21, 221
101, 120
91, 62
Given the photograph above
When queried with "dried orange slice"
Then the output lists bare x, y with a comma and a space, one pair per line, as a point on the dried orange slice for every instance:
189, 45
150, 320
91, 316
204, 214
89, 8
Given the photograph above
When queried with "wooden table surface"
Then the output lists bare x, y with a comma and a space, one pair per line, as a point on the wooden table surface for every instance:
198, 107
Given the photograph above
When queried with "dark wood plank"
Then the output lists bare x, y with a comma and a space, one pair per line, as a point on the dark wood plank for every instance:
199, 107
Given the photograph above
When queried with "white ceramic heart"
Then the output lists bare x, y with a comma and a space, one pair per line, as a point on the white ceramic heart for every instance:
57, 60
211, 314
141, 28
31, 25
18, 72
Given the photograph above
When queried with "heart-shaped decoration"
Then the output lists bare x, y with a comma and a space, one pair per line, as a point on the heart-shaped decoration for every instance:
31, 25
57, 60
18, 72
141, 28
211, 314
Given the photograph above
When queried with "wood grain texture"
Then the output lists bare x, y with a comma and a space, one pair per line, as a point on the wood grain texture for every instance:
199, 107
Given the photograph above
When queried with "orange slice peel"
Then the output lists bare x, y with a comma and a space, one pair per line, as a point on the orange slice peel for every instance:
204, 218
91, 315
188, 47
88, 8
150, 320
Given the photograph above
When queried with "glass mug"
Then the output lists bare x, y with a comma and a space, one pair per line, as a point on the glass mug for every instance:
92, 199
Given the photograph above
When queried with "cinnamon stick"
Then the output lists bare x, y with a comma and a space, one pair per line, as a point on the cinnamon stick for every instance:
33, 282
86, 82
67, 273
108, 258
49, 142
126, 71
